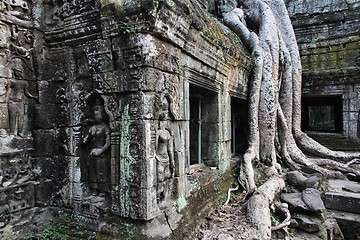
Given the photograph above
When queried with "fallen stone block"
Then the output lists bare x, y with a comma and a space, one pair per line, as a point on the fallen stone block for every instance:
307, 224
341, 195
312, 199
349, 223
295, 202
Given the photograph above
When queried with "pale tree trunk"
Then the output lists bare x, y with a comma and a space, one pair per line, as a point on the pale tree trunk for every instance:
275, 106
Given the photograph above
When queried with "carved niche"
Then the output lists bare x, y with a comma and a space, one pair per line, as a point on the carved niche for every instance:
96, 155
164, 153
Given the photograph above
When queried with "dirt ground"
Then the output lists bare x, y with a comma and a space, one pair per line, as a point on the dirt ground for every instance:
229, 223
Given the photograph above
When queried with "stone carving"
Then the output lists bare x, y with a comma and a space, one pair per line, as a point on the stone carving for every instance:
97, 138
5, 141
133, 81
3, 90
22, 38
61, 95
15, 8
17, 93
164, 154
60, 10
135, 108
169, 85
14, 199
5, 36
16, 39
4, 117
133, 57
14, 168
71, 19
358, 125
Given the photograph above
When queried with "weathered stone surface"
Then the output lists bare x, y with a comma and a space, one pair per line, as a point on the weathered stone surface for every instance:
46, 143
329, 44
308, 200
300, 181
47, 116
296, 179
307, 223
312, 199
349, 223
43, 193
313, 181
338, 196
333, 230
295, 201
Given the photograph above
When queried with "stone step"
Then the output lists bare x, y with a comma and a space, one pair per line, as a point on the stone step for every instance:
343, 195
349, 223
337, 142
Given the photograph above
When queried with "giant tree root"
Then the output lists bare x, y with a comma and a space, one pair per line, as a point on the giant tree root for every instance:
258, 207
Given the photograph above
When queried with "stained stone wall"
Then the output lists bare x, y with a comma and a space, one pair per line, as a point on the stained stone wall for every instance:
328, 37
104, 92
19, 183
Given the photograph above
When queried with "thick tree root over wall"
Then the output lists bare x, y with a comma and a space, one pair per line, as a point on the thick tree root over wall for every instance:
275, 136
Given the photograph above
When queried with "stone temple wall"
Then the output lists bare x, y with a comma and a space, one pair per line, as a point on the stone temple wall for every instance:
20, 174
99, 101
328, 37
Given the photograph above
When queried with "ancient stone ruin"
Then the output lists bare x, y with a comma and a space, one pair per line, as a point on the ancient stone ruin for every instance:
109, 107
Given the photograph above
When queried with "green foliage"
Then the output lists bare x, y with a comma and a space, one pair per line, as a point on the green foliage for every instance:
53, 231
125, 232
292, 232
74, 226
125, 28
275, 221
128, 232
323, 233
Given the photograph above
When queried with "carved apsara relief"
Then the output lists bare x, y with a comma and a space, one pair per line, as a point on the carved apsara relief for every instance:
96, 138
164, 152
170, 85
16, 65
17, 96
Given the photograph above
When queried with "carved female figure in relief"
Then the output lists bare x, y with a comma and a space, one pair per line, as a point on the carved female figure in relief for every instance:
17, 93
98, 139
164, 154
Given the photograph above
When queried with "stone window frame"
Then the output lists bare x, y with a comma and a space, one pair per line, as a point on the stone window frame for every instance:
334, 101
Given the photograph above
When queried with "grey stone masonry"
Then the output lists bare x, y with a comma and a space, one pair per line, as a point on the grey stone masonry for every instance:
343, 196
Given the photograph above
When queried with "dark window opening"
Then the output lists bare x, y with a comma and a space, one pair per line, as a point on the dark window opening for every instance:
195, 130
239, 126
322, 114
203, 125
